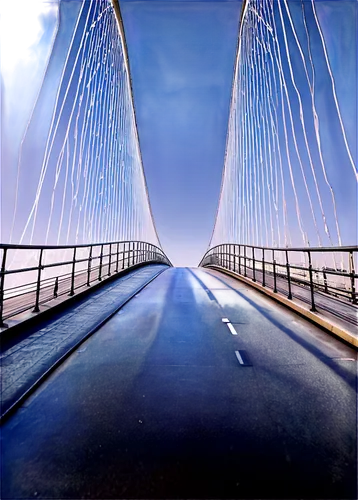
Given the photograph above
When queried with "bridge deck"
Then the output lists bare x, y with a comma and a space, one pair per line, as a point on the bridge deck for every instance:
166, 401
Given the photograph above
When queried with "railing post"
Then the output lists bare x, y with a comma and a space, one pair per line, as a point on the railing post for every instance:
274, 272
288, 276
313, 306
100, 264
72, 290
55, 288
134, 251
129, 254
325, 281
239, 259
234, 253
253, 264
2, 288
37, 300
89, 267
263, 268
352, 273
117, 263
245, 271
124, 255
110, 259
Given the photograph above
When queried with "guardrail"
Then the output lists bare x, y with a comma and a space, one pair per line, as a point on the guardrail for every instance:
324, 271
32, 275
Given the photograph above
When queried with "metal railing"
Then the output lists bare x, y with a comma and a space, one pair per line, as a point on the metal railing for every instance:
301, 272
32, 275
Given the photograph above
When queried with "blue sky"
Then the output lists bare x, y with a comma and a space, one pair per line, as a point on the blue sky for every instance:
182, 60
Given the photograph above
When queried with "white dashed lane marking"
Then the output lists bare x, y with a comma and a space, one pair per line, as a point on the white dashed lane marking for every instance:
231, 328
238, 355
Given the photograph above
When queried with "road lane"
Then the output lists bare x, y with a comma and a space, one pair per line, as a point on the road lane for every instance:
157, 405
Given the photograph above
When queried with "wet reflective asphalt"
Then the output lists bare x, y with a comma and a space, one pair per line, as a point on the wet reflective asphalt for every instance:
167, 401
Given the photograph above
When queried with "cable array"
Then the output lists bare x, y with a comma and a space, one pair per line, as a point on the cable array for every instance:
277, 186
90, 184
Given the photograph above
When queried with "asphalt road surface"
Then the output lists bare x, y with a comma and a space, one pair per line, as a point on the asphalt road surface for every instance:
167, 400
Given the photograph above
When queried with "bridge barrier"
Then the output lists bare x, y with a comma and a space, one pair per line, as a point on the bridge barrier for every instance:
32, 275
310, 271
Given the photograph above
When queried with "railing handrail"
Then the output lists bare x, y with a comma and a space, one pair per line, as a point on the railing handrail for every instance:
13, 246
351, 248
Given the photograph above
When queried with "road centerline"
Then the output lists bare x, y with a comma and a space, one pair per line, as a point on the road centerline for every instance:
238, 355
231, 328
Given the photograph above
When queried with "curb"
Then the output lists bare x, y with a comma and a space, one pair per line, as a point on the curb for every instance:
71, 349
327, 325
